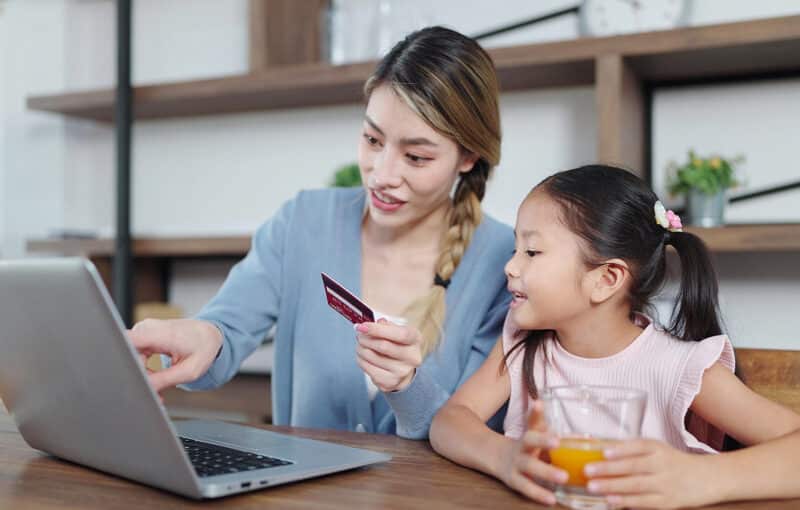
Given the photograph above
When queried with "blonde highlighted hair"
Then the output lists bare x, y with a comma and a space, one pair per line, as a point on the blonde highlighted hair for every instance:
450, 82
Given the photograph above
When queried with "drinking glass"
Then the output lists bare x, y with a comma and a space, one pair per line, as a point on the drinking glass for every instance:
588, 419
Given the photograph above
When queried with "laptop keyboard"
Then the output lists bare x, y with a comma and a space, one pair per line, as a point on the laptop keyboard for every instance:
211, 460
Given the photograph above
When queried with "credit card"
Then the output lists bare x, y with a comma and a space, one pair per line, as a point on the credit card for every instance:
345, 302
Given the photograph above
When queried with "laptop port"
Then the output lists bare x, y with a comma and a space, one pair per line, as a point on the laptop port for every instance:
246, 485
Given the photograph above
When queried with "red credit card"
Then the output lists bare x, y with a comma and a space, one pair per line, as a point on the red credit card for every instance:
345, 302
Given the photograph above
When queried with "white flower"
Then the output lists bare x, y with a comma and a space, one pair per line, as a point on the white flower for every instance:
661, 214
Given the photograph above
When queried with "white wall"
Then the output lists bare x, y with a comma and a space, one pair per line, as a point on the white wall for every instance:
33, 157
225, 174
3, 43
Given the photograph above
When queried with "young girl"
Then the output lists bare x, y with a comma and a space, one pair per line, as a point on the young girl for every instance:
590, 253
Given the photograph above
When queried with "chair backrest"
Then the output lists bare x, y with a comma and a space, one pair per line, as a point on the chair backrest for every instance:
774, 374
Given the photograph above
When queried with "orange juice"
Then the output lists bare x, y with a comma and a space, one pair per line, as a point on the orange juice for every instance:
575, 452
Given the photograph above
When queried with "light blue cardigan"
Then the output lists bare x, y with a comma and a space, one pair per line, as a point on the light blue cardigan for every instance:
316, 381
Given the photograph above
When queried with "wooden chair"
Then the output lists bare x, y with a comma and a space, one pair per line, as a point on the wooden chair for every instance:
774, 374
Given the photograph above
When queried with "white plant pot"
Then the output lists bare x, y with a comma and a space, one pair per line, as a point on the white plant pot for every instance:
706, 210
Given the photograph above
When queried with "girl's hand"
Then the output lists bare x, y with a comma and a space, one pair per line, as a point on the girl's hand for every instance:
526, 461
645, 473
388, 353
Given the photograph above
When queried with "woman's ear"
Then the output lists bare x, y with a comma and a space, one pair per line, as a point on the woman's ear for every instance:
467, 161
608, 280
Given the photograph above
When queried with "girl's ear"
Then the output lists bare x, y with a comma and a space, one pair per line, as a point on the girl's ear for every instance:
608, 280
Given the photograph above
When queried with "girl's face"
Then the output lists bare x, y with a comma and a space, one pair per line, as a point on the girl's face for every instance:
407, 167
546, 274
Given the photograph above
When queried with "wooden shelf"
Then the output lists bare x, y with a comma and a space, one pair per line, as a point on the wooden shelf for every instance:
701, 53
777, 237
751, 238
147, 247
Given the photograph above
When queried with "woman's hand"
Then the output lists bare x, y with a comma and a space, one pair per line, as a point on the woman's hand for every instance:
191, 344
388, 353
526, 461
646, 473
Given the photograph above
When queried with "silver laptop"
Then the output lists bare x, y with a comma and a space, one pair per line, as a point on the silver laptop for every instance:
76, 389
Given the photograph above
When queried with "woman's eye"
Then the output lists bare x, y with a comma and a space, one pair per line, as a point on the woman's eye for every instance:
531, 253
417, 159
371, 139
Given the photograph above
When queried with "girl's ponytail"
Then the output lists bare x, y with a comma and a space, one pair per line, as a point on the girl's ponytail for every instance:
696, 315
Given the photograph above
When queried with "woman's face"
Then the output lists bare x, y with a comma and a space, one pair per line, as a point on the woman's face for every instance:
407, 167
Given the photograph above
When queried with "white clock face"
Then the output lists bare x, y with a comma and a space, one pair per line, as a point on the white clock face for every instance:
611, 17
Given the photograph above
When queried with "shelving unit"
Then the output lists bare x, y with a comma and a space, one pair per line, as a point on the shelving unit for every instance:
730, 238
735, 49
624, 71
153, 255
148, 247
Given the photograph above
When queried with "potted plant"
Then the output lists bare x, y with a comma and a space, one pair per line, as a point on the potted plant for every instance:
704, 182
346, 176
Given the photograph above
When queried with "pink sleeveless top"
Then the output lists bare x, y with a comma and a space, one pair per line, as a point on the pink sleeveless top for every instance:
668, 369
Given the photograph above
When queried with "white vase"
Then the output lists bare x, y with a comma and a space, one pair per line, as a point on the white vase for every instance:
706, 210
360, 30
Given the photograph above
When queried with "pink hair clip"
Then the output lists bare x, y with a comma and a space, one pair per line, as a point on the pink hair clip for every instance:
667, 218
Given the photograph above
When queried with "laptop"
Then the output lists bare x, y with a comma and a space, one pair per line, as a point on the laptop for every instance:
76, 389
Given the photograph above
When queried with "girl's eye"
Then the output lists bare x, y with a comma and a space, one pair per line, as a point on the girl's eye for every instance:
532, 253
371, 139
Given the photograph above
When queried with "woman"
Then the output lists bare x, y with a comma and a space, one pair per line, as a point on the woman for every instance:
413, 243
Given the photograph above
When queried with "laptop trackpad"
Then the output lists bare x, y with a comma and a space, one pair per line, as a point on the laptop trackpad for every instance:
233, 435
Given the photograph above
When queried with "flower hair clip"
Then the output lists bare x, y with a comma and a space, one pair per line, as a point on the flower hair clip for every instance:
666, 218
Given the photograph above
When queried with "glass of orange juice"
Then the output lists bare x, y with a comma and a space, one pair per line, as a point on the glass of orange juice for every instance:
588, 419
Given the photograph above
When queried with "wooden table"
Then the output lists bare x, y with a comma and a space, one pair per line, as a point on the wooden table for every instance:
415, 478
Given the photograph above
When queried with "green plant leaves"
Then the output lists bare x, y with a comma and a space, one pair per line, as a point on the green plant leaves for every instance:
346, 176
709, 175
